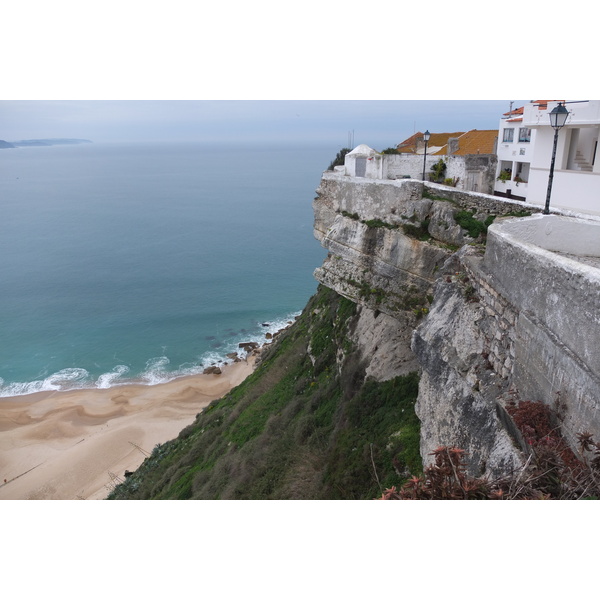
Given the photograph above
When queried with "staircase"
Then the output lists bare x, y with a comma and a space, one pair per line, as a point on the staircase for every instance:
580, 163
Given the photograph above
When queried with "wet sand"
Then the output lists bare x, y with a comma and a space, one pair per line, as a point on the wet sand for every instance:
75, 444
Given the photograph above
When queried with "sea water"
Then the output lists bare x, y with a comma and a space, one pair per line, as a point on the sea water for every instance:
145, 262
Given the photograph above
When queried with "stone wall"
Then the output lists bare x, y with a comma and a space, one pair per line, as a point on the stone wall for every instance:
557, 295
464, 372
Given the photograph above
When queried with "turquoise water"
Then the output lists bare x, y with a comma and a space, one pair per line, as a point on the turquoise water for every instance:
123, 263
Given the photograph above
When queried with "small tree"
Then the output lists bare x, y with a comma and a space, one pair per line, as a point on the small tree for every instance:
339, 159
439, 171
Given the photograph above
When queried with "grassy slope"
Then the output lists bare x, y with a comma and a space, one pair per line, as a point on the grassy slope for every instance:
293, 429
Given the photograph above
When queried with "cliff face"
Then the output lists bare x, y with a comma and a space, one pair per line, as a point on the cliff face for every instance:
487, 325
407, 254
307, 424
374, 262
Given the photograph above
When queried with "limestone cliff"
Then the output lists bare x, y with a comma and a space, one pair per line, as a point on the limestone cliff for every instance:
411, 256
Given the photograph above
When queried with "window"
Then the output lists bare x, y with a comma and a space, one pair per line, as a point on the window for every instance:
524, 134
508, 135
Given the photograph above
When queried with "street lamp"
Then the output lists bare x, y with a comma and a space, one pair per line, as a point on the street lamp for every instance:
426, 137
558, 118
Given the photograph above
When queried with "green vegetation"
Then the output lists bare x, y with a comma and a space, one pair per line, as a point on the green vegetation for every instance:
339, 159
296, 428
374, 223
552, 472
504, 175
438, 171
390, 150
420, 232
518, 213
474, 227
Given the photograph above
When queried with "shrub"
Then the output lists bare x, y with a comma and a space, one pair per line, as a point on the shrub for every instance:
474, 227
552, 470
339, 159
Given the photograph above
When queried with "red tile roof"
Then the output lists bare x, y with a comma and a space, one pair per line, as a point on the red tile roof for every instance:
475, 142
517, 111
410, 145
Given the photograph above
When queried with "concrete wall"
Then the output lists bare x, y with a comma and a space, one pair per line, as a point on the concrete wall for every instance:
557, 299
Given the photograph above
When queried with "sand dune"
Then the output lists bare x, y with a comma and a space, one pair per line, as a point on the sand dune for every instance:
76, 444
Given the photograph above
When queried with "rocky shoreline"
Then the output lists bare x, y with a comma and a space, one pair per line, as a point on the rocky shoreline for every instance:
248, 350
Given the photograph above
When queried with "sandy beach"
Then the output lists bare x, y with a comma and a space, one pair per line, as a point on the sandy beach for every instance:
74, 444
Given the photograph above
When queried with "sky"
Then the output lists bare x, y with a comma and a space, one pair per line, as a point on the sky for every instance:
377, 123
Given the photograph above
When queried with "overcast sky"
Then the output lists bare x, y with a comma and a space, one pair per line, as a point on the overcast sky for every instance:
377, 123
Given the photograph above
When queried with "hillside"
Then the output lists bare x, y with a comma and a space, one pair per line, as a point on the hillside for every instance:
307, 424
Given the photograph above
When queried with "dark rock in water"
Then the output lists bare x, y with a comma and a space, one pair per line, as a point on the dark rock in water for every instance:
210, 337
269, 336
266, 324
248, 345
212, 371
233, 355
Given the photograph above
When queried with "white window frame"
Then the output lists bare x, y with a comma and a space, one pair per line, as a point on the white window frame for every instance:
527, 135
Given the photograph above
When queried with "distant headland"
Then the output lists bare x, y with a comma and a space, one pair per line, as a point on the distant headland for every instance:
44, 142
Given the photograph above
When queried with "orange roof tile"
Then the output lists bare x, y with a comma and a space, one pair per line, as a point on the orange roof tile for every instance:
475, 142
409, 145
543, 104
517, 111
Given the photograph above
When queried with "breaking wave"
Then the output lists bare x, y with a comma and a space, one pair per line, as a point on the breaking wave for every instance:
157, 370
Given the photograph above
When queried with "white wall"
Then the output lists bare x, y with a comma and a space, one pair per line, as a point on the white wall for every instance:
513, 152
571, 190
574, 190
398, 166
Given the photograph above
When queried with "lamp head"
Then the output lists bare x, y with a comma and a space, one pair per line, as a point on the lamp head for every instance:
426, 135
558, 116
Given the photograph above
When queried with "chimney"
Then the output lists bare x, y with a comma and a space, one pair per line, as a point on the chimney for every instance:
452, 145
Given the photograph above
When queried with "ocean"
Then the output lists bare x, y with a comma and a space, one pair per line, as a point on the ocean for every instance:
124, 263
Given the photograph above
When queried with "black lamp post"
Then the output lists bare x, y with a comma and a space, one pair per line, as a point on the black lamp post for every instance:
426, 137
558, 118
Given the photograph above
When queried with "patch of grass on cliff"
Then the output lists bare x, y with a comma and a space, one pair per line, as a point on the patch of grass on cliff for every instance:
474, 227
293, 429
382, 430
376, 223
419, 232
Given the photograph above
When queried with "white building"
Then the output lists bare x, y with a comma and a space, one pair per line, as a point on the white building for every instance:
576, 182
516, 141
525, 143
